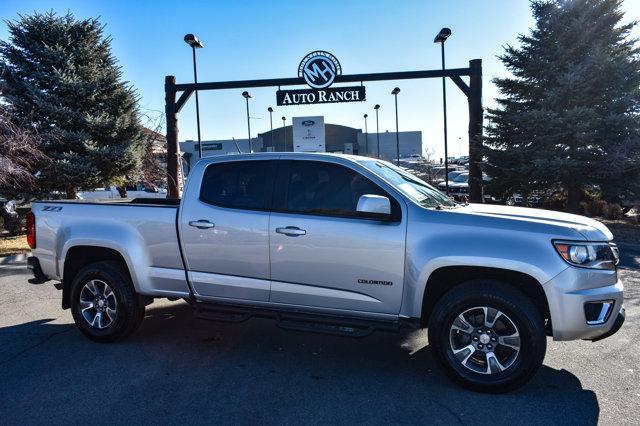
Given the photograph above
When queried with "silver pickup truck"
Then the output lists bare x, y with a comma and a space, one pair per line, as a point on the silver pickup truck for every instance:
338, 244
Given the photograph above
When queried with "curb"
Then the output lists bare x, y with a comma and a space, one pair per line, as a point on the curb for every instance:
16, 259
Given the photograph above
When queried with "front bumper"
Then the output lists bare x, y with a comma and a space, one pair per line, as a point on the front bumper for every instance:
567, 294
617, 325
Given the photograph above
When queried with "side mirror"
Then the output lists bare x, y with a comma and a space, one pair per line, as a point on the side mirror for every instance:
374, 205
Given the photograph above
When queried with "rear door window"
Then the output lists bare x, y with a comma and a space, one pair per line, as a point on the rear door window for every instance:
239, 184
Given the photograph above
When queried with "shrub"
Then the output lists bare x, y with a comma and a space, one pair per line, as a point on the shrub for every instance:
612, 211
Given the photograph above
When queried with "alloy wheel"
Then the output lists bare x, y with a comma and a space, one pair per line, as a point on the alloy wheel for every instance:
98, 304
484, 340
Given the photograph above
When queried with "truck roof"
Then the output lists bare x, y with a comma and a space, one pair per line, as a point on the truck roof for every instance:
275, 155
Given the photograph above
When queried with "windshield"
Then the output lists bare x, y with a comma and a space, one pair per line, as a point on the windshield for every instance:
413, 187
461, 178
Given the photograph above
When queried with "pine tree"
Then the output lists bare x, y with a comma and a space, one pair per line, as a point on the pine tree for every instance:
58, 75
569, 116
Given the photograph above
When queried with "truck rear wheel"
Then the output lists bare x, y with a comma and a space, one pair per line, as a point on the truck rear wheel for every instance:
104, 304
488, 336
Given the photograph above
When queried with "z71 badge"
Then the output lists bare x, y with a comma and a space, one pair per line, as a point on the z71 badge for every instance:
51, 208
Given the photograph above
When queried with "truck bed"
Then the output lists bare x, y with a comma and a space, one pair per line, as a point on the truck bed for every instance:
144, 229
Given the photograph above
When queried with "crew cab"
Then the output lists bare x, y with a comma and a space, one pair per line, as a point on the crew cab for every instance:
338, 244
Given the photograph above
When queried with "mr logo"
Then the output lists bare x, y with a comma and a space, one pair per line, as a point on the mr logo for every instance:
319, 69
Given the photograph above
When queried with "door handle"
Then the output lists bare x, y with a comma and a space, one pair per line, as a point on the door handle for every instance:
202, 224
292, 231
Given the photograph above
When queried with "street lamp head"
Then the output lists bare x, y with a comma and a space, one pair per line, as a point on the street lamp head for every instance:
376, 107
442, 35
366, 115
395, 91
270, 109
246, 95
193, 41
283, 118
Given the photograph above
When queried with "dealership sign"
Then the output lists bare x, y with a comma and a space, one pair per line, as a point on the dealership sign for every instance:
319, 70
308, 134
321, 96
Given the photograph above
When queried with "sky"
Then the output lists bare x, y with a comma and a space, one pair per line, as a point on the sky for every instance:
247, 40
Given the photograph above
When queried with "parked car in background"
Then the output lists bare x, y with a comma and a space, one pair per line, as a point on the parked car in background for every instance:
462, 160
139, 190
459, 186
438, 173
455, 173
10, 217
458, 183
534, 199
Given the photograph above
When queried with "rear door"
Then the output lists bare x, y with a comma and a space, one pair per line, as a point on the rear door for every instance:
323, 254
225, 231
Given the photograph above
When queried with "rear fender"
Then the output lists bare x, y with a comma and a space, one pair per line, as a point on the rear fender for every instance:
124, 240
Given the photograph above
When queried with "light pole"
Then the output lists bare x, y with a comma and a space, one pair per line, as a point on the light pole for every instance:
395, 92
247, 96
377, 107
442, 36
271, 121
193, 41
284, 134
366, 136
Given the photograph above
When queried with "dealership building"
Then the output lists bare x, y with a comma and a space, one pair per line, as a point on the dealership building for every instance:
310, 134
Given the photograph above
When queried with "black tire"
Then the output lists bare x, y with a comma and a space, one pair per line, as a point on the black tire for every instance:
129, 312
521, 313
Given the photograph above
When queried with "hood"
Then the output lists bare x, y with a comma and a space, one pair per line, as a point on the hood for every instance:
453, 184
590, 229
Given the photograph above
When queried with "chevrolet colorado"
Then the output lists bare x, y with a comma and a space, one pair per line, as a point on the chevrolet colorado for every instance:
338, 244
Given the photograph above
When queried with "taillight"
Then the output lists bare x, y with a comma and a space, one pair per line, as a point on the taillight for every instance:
31, 230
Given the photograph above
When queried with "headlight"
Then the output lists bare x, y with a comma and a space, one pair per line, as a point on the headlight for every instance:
588, 255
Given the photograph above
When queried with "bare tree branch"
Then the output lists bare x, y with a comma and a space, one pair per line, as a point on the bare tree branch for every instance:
19, 154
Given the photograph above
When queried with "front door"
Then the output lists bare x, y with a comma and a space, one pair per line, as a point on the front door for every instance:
224, 231
323, 254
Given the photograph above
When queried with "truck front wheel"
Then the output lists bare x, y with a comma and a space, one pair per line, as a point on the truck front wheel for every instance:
488, 336
104, 304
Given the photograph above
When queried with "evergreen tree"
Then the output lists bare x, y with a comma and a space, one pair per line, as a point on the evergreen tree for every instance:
58, 75
569, 116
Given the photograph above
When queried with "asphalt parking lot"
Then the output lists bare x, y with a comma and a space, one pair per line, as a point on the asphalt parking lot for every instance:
177, 369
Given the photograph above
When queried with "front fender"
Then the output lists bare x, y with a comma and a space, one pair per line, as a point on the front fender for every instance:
414, 305
437, 239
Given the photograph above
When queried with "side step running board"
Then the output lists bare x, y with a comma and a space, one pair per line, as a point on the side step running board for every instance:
336, 326
221, 313
316, 323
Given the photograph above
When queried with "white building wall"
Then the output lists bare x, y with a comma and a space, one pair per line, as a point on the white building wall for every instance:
410, 144
219, 147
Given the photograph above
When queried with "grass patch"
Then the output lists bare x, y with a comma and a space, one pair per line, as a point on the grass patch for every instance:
13, 245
